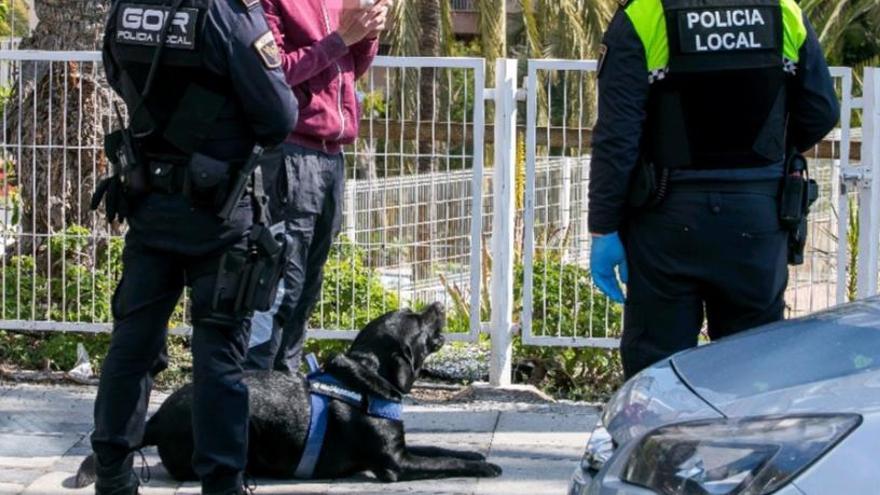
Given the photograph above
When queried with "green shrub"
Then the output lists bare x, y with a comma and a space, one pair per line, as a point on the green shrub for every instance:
564, 306
352, 296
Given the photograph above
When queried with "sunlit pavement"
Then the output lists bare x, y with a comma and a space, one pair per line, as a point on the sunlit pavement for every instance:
44, 436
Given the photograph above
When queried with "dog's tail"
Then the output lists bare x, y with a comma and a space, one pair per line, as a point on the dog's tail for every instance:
86, 475
87, 472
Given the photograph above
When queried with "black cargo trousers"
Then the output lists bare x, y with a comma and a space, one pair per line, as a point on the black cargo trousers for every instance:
158, 262
706, 252
306, 195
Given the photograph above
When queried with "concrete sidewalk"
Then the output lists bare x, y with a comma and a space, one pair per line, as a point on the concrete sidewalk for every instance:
44, 436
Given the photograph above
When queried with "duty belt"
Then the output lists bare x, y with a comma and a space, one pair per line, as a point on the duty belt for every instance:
763, 187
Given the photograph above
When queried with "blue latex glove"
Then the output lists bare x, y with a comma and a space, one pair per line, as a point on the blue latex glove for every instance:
607, 259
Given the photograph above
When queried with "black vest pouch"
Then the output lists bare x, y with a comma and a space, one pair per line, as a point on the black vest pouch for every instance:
721, 97
208, 181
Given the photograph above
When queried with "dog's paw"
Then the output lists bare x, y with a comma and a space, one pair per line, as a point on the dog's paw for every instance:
489, 470
387, 475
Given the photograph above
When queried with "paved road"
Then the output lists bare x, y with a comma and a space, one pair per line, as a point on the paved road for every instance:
44, 436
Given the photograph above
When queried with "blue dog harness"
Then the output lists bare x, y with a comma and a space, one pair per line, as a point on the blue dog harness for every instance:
324, 388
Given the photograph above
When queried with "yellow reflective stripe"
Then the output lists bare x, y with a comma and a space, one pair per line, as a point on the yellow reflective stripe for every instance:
795, 30
649, 20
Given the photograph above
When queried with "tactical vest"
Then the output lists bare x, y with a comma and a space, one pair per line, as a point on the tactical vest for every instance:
188, 103
718, 71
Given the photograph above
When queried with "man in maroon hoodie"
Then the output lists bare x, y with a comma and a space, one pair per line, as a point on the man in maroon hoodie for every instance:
326, 48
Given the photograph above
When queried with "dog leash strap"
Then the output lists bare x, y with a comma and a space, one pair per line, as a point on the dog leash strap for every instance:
315, 442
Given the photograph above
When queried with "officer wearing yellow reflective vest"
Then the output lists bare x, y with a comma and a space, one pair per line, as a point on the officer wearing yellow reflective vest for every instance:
700, 104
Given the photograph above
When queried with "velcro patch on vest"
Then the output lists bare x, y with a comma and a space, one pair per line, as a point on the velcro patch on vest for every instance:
268, 50
138, 24
730, 29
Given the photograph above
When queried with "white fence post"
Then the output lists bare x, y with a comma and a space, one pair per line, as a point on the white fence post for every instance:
869, 192
504, 211
565, 197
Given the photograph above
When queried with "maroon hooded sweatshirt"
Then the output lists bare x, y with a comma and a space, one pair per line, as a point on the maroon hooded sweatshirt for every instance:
321, 70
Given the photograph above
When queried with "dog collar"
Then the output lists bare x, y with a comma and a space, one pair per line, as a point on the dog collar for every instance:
324, 388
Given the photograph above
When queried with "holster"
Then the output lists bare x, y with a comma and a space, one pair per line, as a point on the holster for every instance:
270, 252
128, 181
799, 193
248, 279
127, 161
648, 185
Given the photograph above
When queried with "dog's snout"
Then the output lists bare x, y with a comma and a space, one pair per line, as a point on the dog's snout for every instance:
439, 308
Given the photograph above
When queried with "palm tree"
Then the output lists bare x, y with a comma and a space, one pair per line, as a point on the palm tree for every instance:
576, 33
847, 29
492, 16
423, 28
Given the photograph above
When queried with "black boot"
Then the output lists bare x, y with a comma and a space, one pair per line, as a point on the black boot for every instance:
116, 480
245, 486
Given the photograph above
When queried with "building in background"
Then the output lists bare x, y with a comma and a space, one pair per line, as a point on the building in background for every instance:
465, 20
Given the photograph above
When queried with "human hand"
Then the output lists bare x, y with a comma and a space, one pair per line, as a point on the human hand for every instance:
367, 23
384, 11
607, 258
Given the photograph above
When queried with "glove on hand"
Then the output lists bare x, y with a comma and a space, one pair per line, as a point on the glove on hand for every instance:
607, 258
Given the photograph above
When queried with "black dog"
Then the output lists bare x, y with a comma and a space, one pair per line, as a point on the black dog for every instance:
383, 362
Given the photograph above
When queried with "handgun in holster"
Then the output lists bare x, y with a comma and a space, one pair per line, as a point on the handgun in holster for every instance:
270, 252
248, 277
799, 193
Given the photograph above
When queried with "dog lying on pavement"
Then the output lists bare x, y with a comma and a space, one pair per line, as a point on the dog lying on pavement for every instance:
359, 427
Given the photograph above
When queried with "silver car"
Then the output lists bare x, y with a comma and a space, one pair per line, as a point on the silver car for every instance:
791, 408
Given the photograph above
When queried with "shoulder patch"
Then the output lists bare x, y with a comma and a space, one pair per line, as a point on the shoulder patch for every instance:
248, 4
268, 50
603, 54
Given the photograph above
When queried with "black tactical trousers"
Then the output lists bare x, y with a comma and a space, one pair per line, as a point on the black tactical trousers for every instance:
718, 256
307, 196
151, 286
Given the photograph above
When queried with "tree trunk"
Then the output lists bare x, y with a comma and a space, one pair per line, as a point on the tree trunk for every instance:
68, 25
55, 123
429, 46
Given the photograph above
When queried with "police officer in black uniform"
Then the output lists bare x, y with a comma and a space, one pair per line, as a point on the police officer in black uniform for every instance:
700, 103
201, 83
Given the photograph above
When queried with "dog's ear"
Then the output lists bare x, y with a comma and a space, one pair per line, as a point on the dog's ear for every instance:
404, 374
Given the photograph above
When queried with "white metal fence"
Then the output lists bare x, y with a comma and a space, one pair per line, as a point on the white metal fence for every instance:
424, 219
414, 197
561, 105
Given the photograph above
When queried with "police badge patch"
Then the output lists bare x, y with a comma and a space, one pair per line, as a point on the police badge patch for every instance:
141, 24
268, 50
